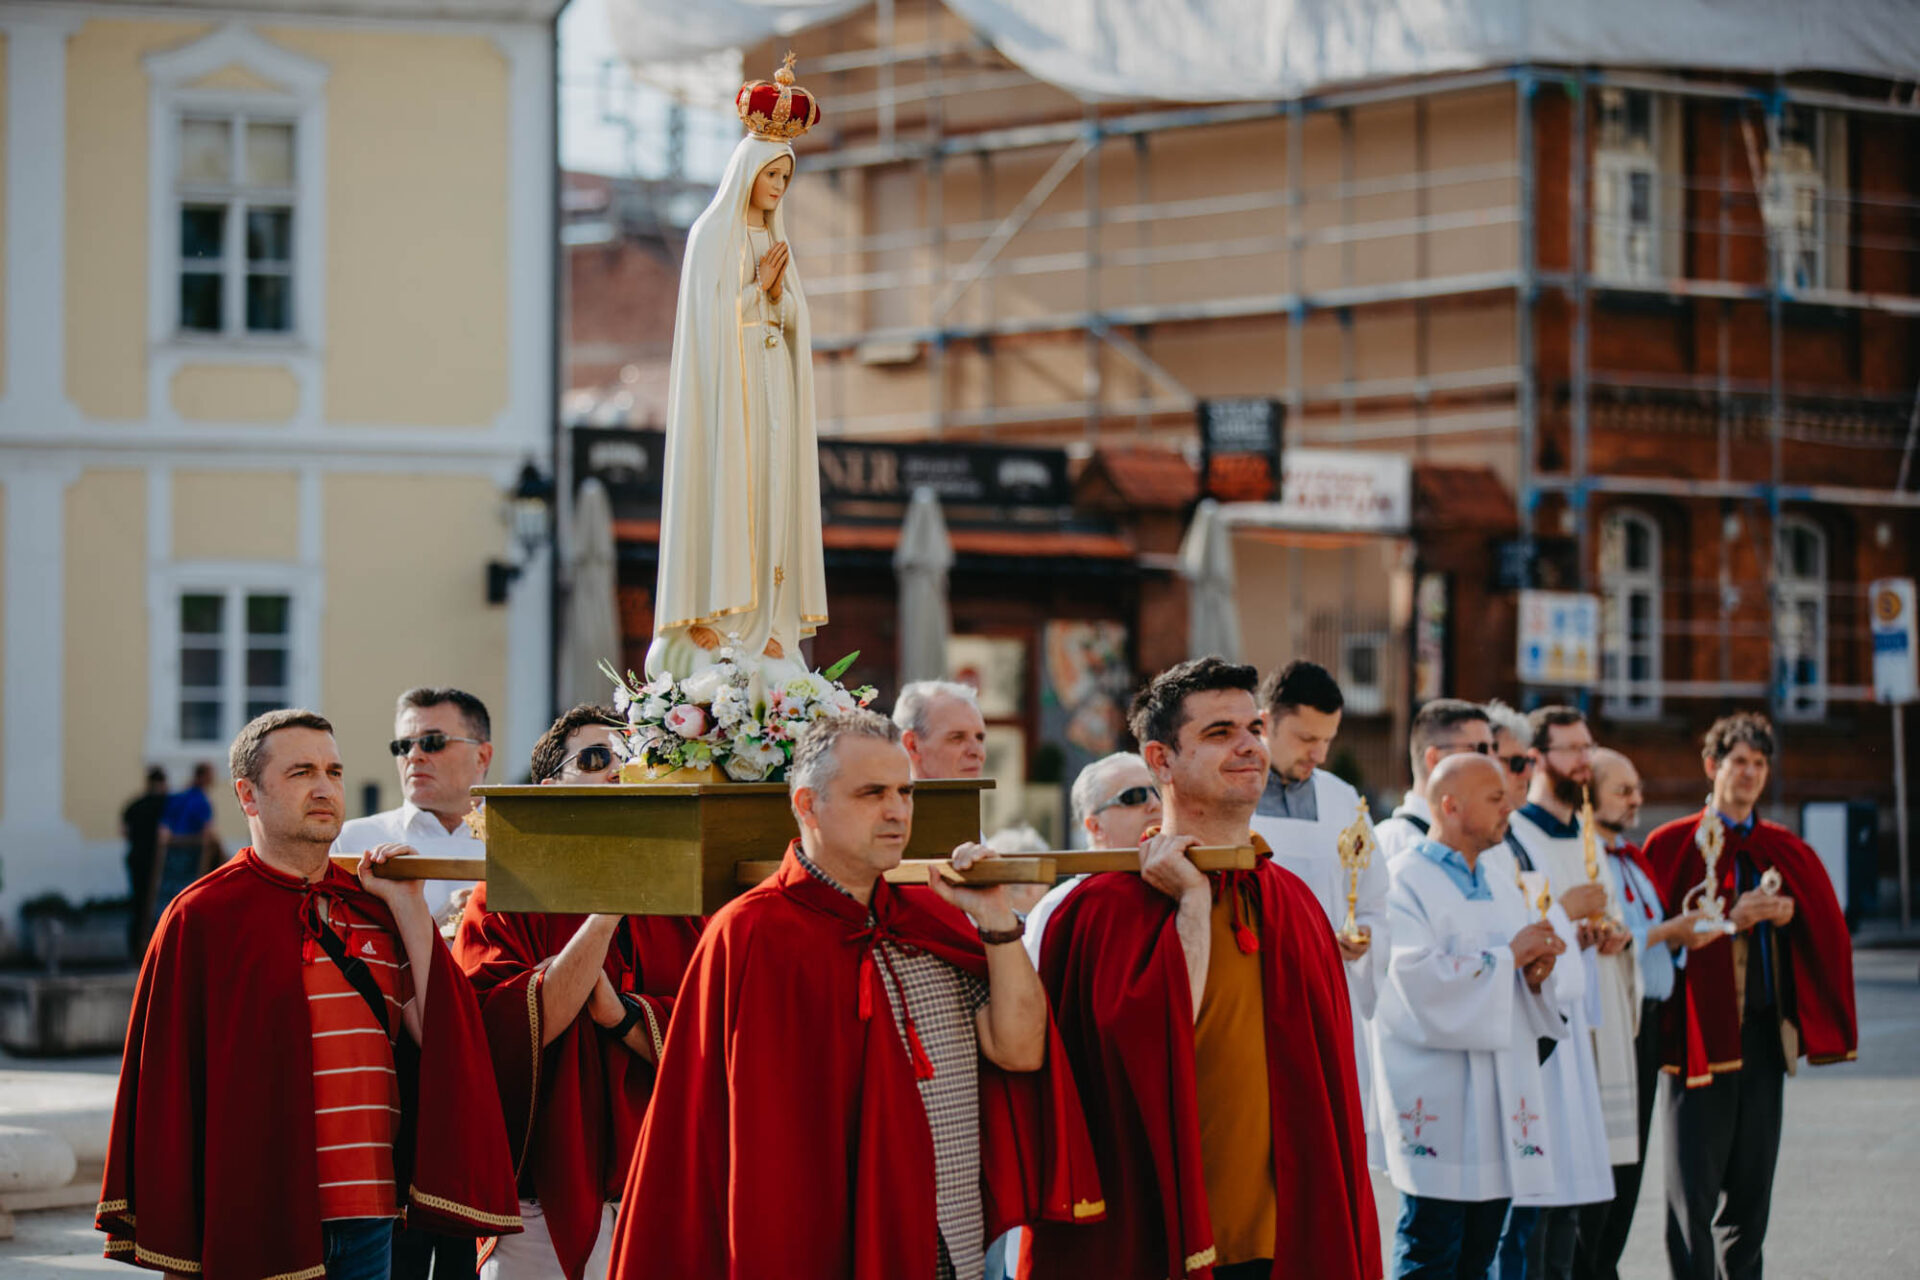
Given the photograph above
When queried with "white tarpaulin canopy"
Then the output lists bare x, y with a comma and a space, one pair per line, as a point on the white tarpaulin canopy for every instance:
1221, 50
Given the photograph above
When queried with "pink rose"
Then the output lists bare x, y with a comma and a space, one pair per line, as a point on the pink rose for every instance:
687, 720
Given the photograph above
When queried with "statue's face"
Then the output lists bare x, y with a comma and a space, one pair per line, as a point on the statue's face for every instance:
770, 184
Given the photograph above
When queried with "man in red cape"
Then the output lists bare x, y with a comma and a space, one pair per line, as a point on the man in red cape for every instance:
215, 1162
1744, 1009
1230, 1141
858, 1082
576, 1011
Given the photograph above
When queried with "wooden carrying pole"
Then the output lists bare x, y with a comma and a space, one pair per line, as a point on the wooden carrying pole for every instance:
1043, 868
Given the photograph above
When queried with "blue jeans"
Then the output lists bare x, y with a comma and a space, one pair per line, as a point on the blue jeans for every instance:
358, 1248
1450, 1239
1517, 1247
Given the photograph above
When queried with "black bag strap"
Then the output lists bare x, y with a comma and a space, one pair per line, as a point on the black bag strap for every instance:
1417, 822
352, 968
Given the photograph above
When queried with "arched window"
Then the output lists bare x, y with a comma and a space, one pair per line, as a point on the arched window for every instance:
1800, 618
1630, 614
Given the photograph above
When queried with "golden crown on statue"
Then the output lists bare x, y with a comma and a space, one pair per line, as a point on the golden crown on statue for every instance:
778, 110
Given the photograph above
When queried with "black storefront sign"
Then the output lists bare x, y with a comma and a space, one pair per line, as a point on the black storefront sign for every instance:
1240, 449
865, 482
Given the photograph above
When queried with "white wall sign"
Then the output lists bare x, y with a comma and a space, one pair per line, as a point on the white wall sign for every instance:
1891, 601
1559, 638
1336, 489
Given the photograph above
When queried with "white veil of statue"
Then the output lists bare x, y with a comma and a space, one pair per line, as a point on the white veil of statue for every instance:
740, 521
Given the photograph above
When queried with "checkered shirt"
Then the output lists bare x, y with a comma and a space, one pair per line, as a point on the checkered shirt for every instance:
943, 1000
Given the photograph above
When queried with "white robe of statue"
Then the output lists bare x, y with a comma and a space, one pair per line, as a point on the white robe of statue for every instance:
740, 518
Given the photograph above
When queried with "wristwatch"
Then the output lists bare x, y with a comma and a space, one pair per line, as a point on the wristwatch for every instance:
635, 1012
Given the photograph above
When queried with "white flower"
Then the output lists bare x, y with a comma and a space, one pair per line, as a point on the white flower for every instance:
653, 709
622, 697
753, 759
703, 685
731, 708
808, 688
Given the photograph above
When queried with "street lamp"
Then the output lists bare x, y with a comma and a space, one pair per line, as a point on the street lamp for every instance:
527, 512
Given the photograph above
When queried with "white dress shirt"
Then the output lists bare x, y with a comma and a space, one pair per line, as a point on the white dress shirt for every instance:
412, 825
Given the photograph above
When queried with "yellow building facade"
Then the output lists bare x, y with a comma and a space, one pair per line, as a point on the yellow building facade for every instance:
276, 338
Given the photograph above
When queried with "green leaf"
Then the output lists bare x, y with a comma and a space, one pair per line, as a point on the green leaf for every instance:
839, 668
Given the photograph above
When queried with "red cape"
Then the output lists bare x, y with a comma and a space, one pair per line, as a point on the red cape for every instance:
1702, 1028
573, 1109
1113, 967
787, 1136
211, 1165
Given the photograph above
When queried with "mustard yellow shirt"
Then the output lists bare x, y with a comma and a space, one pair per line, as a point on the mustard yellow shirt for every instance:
1236, 1112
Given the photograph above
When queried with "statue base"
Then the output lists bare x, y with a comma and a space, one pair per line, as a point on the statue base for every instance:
667, 848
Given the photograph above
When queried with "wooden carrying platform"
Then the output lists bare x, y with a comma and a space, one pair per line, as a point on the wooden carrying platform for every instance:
681, 849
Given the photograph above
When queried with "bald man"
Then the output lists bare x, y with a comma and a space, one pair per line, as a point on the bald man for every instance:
1617, 798
1457, 1071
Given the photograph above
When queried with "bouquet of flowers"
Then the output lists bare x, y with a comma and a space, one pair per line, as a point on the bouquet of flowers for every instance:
725, 716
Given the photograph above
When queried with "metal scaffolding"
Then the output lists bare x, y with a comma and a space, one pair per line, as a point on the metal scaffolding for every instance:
901, 115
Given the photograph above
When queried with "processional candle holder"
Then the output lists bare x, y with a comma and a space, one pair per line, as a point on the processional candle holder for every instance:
1357, 847
1605, 917
1711, 837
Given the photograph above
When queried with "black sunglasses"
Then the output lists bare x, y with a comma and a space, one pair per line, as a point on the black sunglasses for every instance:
1517, 765
597, 758
1131, 798
1478, 748
433, 742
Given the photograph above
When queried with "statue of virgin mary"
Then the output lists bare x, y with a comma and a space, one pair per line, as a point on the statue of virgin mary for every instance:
740, 559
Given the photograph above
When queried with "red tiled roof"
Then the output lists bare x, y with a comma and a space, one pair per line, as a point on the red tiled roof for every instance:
1155, 479
1461, 498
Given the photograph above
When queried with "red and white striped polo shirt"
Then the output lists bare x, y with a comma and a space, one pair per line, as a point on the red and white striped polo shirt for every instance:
356, 1095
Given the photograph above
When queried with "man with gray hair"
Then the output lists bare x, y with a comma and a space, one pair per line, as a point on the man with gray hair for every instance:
1116, 802
832, 1010
942, 729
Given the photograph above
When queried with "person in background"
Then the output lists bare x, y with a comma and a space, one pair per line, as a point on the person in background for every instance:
1115, 800
1463, 1008
1589, 1081
1303, 814
1616, 810
1745, 1008
189, 846
140, 828
442, 746
942, 729
1441, 728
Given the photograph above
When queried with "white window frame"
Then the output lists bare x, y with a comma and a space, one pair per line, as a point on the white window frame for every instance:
1615, 164
297, 99
1790, 591
1627, 698
237, 198
235, 581
1798, 172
